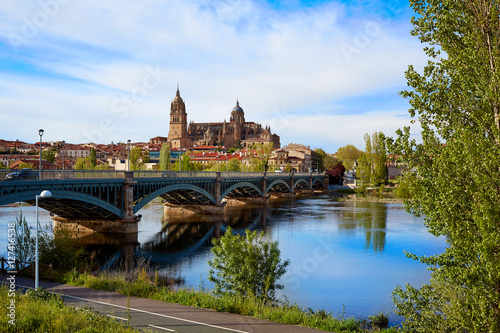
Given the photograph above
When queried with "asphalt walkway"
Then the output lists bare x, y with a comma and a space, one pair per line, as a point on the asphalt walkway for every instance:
159, 316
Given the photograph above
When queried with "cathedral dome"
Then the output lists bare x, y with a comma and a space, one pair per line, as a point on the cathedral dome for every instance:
237, 108
237, 114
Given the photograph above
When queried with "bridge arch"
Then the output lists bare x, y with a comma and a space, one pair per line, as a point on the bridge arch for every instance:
241, 185
301, 181
280, 182
63, 198
172, 188
318, 180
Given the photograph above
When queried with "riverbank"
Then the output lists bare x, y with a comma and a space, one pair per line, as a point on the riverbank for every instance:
280, 312
383, 198
368, 194
41, 311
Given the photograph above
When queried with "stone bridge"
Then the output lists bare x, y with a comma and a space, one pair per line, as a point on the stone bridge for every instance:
110, 200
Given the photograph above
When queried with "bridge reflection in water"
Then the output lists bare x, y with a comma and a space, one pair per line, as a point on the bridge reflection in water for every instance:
110, 201
178, 239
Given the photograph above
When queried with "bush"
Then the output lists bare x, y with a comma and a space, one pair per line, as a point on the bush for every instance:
246, 265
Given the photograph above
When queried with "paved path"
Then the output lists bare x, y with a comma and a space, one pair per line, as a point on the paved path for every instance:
160, 316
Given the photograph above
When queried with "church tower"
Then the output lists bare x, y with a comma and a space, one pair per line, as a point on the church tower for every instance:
238, 117
178, 118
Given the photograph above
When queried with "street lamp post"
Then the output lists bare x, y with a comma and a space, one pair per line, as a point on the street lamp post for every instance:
44, 194
40, 132
62, 148
180, 159
128, 155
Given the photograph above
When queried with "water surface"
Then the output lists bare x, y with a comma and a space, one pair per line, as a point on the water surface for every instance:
344, 255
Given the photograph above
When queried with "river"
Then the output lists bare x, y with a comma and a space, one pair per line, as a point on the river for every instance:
345, 256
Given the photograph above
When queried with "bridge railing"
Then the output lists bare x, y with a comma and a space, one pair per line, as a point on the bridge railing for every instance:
35, 174
173, 174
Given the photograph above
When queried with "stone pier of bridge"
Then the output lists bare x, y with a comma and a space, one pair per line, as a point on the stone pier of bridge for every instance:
109, 201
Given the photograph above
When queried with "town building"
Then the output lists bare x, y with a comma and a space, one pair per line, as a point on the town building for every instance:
236, 132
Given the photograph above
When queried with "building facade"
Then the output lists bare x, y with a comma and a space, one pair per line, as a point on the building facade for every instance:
236, 132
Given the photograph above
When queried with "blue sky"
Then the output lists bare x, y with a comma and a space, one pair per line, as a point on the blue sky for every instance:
321, 73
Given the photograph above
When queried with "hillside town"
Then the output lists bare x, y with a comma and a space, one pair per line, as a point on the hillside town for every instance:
60, 155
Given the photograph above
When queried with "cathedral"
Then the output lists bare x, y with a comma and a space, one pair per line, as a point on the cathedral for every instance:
227, 134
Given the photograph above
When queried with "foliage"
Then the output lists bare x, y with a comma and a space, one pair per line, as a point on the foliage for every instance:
372, 168
321, 161
135, 157
2, 166
58, 248
145, 156
186, 164
93, 157
233, 165
403, 190
260, 163
84, 163
49, 156
41, 311
336, 172
348, 155
247, 306
25, 165
164, 162
456, 167
24, 248
103, 166
246, 265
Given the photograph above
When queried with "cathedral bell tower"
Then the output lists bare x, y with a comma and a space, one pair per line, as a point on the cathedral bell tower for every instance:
238, 117
178, 118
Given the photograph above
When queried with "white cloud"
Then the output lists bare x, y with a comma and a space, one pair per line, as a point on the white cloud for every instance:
217, 50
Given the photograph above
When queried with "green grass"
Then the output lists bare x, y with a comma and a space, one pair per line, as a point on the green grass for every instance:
145, 286
40, 311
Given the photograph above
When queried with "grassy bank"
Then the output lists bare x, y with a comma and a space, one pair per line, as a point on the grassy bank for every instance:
147, 286
44, 312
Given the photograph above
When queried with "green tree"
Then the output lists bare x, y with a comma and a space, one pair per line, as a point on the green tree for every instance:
379, 156
2, 166
372, 168
135, 157
164, 162
348, 155
49, 156
456, 171
364, 169
84, 163
93, 157
187, 165
233, 165
321, 161
24, 247
58, 248
260, 163
25, 165
103, 166
246, 265
145, 156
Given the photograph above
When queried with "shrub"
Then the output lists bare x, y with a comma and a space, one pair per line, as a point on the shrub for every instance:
246, 265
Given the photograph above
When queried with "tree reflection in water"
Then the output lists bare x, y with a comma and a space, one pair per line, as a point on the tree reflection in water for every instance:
370, 216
